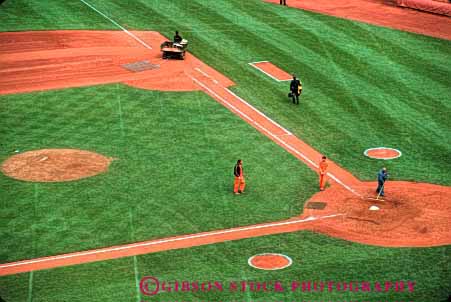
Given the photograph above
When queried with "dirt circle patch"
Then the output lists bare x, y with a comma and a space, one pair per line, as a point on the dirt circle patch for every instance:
382, 153
270, 261
55, 165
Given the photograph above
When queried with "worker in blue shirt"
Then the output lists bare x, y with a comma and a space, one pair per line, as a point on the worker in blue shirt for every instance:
381, 178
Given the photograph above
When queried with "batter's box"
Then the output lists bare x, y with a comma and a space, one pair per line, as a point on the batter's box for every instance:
315, 205
140, 66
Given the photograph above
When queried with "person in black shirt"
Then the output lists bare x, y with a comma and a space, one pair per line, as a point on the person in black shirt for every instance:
295, 89
283, 2
177, 37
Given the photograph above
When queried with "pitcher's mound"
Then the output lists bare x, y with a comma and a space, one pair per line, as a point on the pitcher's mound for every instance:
55, 165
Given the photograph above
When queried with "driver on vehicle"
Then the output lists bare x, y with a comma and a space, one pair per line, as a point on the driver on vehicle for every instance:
177, 38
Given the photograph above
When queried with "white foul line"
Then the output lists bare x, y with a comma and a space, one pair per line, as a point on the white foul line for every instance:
118, 25
222, 99
243, 101
258, 111
256, 123
269, 75
194, 236
188, 237
206, 74
258, 62
272, 134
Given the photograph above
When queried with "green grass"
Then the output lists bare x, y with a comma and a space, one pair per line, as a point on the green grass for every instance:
364, 86
173, 174
315, 258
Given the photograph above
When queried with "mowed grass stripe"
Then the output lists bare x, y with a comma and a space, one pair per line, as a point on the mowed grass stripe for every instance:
384, 100
47, 15
315, 257
218, 24
353, 55
388, 122
175, 171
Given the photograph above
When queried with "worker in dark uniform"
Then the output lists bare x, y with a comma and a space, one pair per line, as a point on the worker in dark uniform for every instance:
295, 89
381, 178
177, 38
283, 2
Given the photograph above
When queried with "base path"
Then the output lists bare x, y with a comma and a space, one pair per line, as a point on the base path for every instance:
377, 12
158, 245
415, 215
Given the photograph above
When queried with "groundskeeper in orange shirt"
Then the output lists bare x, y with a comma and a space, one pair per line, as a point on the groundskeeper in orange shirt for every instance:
239, 184
322, 172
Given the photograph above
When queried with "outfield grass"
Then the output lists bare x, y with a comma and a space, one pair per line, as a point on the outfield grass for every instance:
315, 257
364, 86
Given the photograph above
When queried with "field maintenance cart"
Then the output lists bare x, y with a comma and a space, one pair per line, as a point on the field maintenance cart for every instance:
172, 50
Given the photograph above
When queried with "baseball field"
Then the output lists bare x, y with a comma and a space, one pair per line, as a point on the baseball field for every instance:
112, 173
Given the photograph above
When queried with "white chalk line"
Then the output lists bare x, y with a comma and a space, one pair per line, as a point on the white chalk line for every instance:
169, 240
259, 62
207, 75
222, 99
268, 74
243, 101
118, 25
194, 236
259, 112
276, 137
232, 106
247, 104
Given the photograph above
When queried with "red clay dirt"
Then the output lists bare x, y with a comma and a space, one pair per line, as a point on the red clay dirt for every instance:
382, 153
269, 261
378, 12
410, 215
272, 70
415, 215
55, 165
43, 60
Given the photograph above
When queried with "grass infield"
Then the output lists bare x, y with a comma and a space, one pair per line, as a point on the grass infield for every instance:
173, 174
